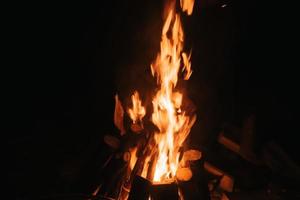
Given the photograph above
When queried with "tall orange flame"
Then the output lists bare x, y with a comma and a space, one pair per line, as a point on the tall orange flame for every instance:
162, 162
173, 124
159, 158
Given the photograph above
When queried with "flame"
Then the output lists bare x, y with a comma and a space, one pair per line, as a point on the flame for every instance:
180, 195
173, 124
187, 6
137, 112
161, 161
187, 65
133, 157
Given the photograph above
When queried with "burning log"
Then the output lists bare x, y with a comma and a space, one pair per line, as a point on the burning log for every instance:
194, 190
164, 191
226, 181
242, 151
198, 183
212, 169
136, 161
112, 177
228, 143
140, 189
152, 164
112, 141
246, 134
190, 156
184, 174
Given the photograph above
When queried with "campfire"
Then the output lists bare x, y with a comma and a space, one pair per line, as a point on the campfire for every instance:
151, 100
157, 159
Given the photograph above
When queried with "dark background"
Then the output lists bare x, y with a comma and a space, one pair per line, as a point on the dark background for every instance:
69, 60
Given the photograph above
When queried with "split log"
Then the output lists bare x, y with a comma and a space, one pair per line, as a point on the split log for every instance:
140, 189
228, 143
198, 183
280, 162
244, 152
112, 141
226, 182
184, 174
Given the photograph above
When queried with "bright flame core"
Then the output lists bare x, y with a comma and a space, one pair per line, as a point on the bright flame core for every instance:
174, 125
